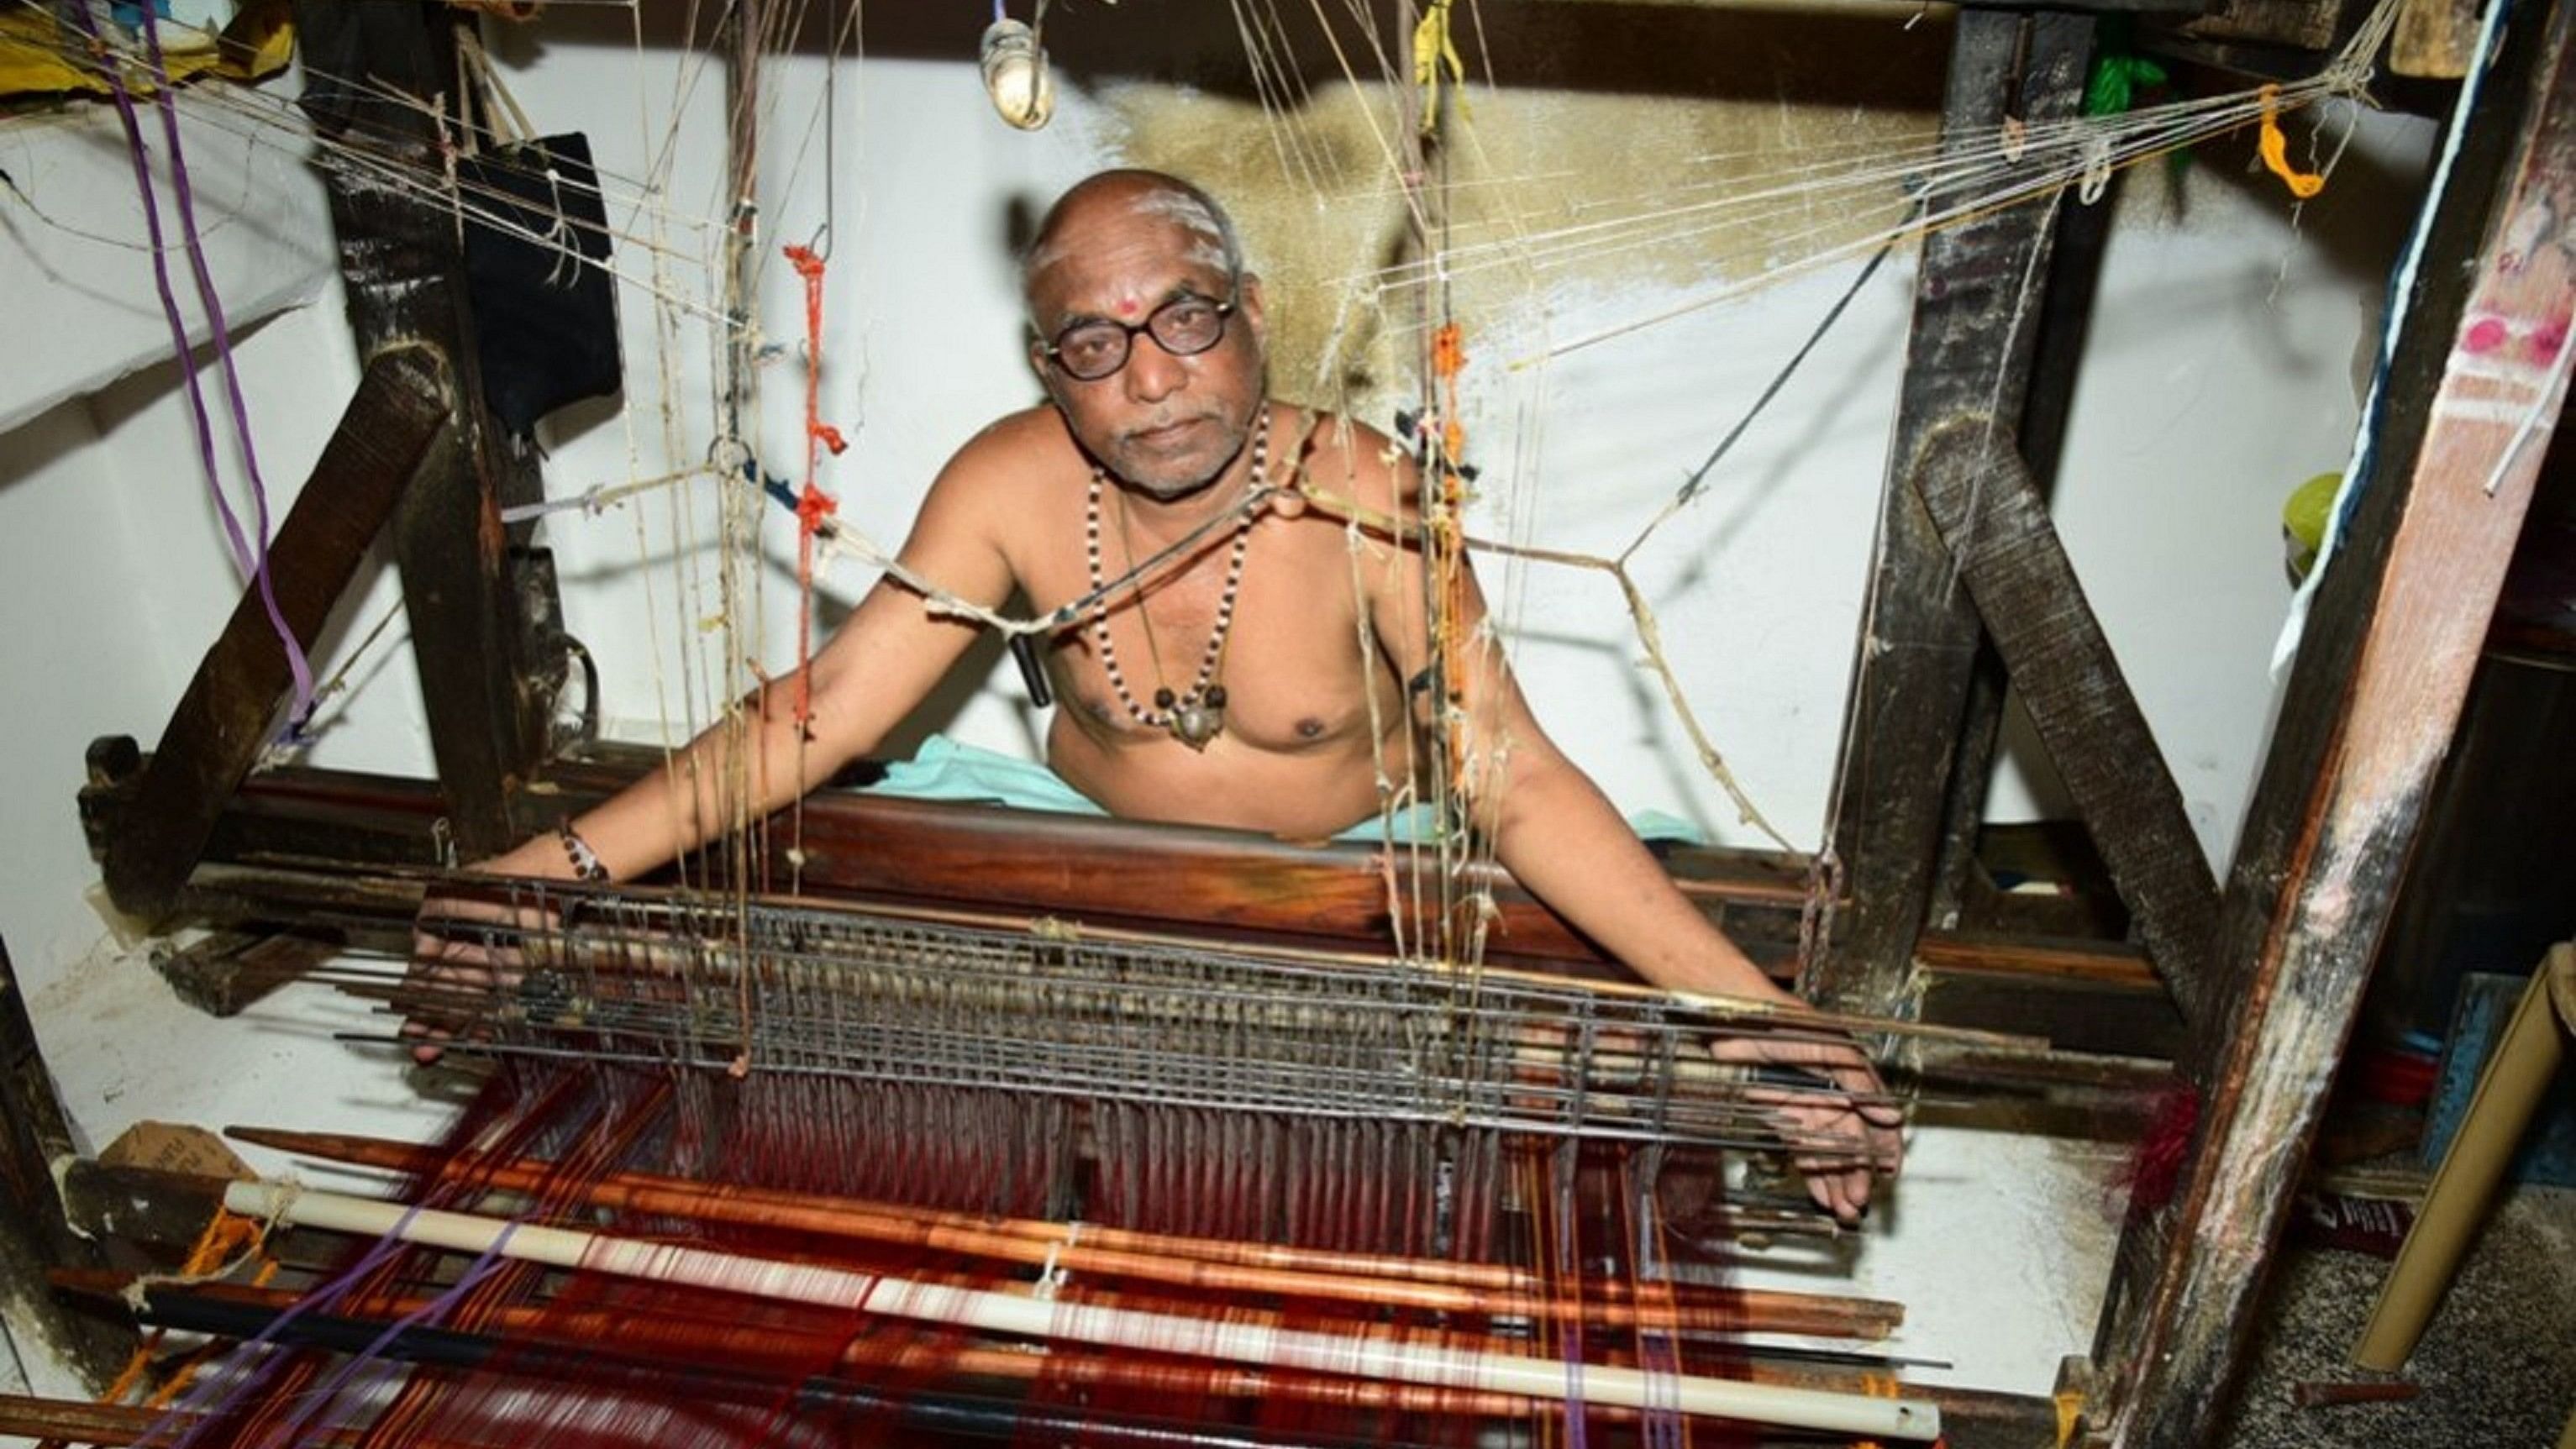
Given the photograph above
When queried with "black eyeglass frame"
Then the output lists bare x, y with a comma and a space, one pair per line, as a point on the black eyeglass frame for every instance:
1053, 351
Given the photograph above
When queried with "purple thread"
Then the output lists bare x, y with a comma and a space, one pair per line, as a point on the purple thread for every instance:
1569, 1264
251, 564
201, 1399
167, 102
1658, 1351
369, 1359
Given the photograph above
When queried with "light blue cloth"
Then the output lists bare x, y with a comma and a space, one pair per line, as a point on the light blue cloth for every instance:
973, 775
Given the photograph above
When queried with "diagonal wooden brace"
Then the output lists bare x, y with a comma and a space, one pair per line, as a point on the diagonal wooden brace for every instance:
1989, 512
403, 406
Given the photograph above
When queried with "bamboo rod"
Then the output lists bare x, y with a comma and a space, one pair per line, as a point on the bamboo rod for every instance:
2517, 1075
990, 1312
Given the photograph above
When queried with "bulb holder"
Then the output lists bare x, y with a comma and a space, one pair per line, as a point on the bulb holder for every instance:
1015, 75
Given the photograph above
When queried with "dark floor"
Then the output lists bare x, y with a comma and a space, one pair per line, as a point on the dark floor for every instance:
2497, 1366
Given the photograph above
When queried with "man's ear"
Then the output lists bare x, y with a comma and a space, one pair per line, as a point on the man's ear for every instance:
1039, 365
1248, 302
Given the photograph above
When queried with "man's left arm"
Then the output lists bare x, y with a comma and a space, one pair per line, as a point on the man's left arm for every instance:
1560, 837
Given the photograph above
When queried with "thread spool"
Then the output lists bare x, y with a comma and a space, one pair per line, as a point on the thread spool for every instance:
1015, 75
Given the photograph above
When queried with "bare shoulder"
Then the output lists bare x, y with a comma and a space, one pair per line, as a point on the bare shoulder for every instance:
1028, 449
989, 491
1339, 458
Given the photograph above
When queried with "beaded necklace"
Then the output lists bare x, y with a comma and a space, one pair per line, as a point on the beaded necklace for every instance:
1197, 716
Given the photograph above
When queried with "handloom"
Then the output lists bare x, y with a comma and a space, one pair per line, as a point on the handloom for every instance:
1359, 1197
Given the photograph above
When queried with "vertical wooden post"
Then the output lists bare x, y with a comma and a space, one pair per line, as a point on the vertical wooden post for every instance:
2065, 319
2476, 385
33, 1235
1968, 353
485, 683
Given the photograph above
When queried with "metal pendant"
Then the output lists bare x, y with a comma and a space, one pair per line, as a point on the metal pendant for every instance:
1197, 722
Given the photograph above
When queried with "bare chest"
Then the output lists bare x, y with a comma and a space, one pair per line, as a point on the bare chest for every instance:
1265, 622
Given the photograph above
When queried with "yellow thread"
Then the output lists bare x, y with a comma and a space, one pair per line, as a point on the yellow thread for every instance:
228, 1236
1877, 1386
1433, 53
2070, 1409
2275, 147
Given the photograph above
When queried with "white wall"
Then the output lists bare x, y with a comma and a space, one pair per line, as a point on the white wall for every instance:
75, 256
2216, 381
2221, 374
116, 582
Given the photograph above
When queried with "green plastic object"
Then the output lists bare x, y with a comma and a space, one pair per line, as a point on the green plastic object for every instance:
2303, 521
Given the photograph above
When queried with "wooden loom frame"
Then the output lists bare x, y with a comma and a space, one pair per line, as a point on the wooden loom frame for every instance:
2254, 985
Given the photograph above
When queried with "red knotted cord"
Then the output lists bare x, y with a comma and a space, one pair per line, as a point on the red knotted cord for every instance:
813, 505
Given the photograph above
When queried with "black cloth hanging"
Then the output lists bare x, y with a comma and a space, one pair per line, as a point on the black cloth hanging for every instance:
545, 321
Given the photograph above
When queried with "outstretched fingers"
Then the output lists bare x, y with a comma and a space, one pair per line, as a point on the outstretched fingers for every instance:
1830, 1108
463, 950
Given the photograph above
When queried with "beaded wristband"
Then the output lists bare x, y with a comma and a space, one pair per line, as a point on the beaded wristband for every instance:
586, 864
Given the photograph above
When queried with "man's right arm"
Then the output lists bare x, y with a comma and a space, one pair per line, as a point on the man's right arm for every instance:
875, 668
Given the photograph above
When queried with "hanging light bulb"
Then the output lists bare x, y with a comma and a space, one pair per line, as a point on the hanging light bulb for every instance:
1015, 75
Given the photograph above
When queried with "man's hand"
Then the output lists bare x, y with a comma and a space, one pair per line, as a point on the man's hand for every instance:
1842, 1130
465, 951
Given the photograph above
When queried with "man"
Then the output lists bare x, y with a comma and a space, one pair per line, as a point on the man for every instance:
1229, 688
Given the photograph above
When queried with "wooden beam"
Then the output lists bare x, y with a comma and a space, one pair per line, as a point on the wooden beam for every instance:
2081, 995
2312, 25
2065, 321
35, 1237
2390, 642
377, 832
480, 633
1989, 512
2434, 38
222, 722
878, 848
1968, 353
230, 971
153, 1211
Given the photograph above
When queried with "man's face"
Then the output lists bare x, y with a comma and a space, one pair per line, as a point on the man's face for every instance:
1166, 425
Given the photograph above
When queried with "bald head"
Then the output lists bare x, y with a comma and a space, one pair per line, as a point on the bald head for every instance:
1119, 195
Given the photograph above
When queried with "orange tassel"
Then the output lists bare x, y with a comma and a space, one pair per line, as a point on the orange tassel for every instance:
2275, 146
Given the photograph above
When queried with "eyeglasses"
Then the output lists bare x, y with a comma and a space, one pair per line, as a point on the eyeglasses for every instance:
1185, 326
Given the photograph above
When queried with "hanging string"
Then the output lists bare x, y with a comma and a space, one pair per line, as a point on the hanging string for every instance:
1435, 60
1830, 175
249, 561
